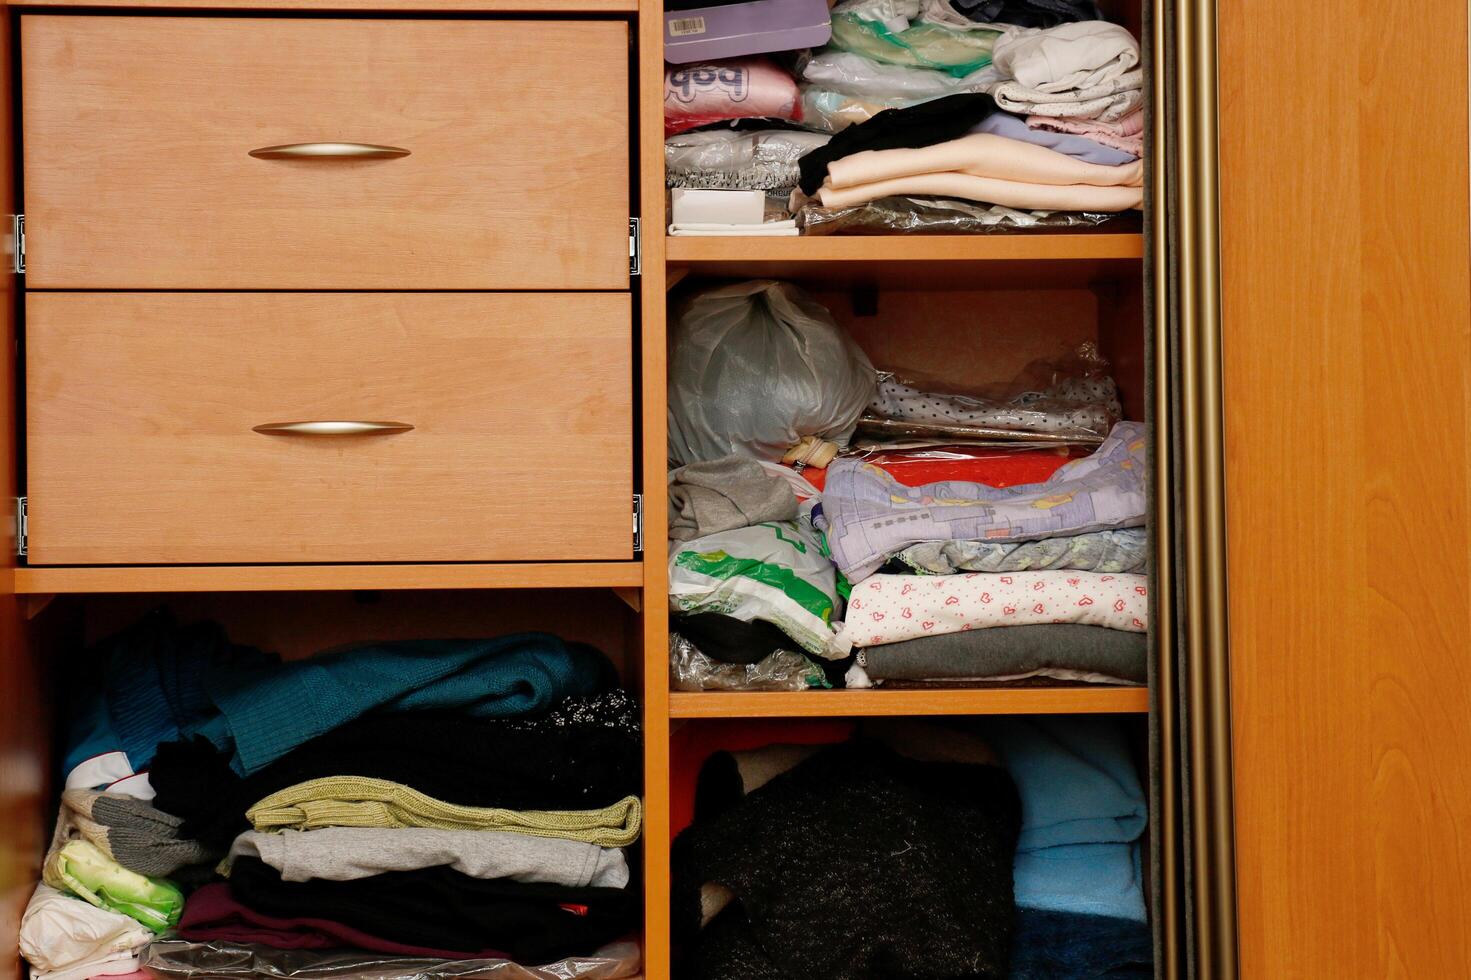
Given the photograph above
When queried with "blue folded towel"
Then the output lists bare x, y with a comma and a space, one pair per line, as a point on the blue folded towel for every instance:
1092, 879
1083, 810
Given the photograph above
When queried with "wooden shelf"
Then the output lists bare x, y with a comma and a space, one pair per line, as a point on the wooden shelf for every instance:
282, 578
320, 6
974, 701
919, 261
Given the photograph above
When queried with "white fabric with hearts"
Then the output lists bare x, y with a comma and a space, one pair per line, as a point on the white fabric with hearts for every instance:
890, 608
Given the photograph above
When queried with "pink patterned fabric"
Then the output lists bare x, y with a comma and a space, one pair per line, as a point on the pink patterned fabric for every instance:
890, 608
1125, 134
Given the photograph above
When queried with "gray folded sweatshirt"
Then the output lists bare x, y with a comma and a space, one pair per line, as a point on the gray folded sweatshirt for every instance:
349, 853
727, 493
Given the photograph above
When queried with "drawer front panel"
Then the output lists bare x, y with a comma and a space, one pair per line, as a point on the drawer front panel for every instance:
138, 133
143, 412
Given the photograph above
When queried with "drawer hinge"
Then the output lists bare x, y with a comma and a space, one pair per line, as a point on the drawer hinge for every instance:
18, 244
635, 248
22, 528
638, 523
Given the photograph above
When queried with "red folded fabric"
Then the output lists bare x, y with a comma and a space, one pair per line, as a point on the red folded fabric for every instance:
997, 467
212, 913
693, 744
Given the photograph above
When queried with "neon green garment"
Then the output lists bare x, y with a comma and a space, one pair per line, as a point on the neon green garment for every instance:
82, 869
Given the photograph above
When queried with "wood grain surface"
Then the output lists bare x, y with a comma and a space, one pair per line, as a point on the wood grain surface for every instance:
1347, 367
137, 134
141, 410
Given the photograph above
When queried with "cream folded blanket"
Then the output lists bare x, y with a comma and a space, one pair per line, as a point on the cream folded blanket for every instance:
981, 155
1009, 193
1111, 100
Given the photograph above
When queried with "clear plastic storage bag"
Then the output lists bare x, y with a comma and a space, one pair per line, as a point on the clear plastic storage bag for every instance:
853, 74
920, 45
729, 159
178, 960
1072, 399
757, 367
935, 216
783, 670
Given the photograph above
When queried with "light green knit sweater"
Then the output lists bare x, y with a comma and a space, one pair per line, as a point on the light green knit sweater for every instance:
353, 801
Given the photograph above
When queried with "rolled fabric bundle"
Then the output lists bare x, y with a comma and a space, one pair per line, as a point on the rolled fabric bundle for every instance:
134, 833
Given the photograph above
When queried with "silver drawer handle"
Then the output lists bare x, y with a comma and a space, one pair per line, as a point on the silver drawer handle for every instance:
332, 428
329, 151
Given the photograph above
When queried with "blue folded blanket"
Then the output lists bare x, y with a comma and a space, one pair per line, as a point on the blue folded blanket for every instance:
1091, 879
162, 683
1083, 811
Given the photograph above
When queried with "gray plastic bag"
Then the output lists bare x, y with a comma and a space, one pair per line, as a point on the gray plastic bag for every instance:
756, 367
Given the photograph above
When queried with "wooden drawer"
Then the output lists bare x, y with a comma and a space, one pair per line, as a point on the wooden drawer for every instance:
141, 411
138, 134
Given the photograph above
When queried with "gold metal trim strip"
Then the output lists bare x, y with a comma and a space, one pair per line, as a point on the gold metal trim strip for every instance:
1202, 486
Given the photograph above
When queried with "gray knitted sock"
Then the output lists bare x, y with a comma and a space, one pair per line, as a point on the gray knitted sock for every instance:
138, 835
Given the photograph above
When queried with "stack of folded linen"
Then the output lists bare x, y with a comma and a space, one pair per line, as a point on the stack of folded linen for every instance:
935, 149
1062, 106
1044, 579
451, 800
1079, 858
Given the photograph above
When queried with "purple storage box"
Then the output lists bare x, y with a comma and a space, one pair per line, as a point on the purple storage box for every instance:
732, 30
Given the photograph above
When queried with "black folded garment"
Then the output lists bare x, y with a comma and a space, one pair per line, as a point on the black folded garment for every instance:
856, 864
441, 908
730, 640
585, 755
918, 125
1066, 945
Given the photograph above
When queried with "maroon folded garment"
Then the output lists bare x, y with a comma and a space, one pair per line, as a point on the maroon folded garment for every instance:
211, 913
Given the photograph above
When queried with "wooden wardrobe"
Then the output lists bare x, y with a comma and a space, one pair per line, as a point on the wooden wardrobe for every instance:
1293, 318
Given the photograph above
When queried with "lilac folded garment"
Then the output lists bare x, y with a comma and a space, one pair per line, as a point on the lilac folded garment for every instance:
211, 913
1078, 147
869, 516
1126, 134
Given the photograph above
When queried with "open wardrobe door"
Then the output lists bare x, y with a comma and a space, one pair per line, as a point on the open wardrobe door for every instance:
1347, 369
24, 725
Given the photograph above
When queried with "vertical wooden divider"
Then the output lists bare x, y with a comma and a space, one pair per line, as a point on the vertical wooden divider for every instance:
655, 615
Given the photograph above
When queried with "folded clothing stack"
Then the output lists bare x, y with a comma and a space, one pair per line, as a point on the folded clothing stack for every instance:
886, 856
1060, 101
935, 568
1078, 872
451, 800
940, 149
